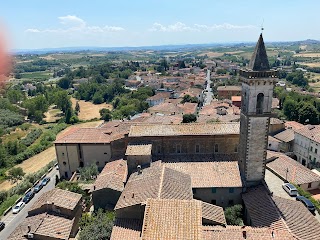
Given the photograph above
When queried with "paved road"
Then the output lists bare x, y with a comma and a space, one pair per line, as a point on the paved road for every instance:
208, 95
13, 220
275, 185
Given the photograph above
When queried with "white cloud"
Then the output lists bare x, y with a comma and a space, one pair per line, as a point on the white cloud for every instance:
181, 27
75, 24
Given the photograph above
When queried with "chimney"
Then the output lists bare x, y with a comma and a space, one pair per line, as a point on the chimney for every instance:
139, 169
244, 234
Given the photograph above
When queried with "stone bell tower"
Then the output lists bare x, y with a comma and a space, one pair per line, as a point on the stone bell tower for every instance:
257, 90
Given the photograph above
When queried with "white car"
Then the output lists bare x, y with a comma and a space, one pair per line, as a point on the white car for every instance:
18, 207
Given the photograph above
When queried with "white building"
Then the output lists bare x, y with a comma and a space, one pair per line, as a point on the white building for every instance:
307, 145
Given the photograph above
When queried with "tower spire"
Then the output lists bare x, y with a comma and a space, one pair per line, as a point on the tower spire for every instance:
259, 60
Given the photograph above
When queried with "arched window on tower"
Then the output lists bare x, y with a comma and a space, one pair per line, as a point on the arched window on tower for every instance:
259, 107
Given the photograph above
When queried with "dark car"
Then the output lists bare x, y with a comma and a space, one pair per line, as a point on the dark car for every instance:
28, 197
2, 225
307, 203
45, 181
38, 187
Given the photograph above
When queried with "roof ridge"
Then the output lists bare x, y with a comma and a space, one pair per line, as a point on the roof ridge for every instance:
161, 182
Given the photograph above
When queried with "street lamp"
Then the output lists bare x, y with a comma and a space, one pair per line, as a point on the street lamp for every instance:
287, 174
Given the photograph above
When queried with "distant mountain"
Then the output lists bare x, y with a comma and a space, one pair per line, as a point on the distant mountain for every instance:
153, 48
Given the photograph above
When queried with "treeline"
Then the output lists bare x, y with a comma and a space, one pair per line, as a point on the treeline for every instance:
35, 66
297, 107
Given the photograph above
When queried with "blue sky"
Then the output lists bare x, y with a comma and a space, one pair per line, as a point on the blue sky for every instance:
32, 24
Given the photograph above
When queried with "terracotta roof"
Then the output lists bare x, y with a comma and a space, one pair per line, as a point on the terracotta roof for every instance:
236, 98
158, 96
298, 218
86, 135
297, 173
310, 131
126, 229
285, 136
293, 125
58, 197
229, 88
252, 233
184, 129
113, 176
172, 219
173, 108
155, 182
188, 108
261, 209
259, 60
139, 149
213, 213
272, 139
55, 227
44, 224
210, 174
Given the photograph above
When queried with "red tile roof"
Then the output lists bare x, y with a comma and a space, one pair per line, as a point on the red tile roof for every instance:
126, 229
210, 174
286, 167
293, 125
113, 176
155, 182
213, 213
285, 136
237, 233
310, 131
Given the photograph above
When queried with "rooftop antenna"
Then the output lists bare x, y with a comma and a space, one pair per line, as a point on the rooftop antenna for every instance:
262, 28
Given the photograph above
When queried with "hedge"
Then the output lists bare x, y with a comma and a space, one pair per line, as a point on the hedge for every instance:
31, 137
308, 195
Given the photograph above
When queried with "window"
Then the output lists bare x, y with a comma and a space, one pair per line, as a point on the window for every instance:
231, 190
316, 150
230, 202
178, 149
105, 153
63, 154
311, 148
269, 144
197, 148
213, 201
236, 148
79, 148
64, 163
314, 159
309, 157
97, 163
81, 164
309, 185
216, 148
213, 190
259, 107
66, 174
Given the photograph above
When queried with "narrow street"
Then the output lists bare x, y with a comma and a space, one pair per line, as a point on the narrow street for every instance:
13, 220
208, 95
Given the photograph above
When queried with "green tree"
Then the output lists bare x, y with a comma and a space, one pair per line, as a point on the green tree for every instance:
14, 96
188, 98
15, 173
77, 108
98, 226
290, 109
65, 82
89, 172
188, 118
308, 114
105, 114
234, 215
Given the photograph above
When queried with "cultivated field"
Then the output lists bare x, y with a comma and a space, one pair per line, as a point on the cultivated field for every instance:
52, 115
88, 110
309, 54
312, 64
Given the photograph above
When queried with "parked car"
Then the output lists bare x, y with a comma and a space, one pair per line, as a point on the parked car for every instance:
2, 225
38, 187
290, 189
28, 196
45, 181
307, 203
57, 167
18, 207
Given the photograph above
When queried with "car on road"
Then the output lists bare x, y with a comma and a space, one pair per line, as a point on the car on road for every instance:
38, 187
2, 226
290, 189
45, 181
307, 203
18, 207
28, 196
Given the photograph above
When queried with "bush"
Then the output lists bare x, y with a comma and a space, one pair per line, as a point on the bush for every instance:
15, 173
234, 215
188, 118
31, 137
87, 173
9, 118
8, 203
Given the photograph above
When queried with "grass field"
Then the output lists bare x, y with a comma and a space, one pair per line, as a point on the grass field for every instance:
88, 110
312, 64
52, 115
36, 75
308, 54
17, 134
